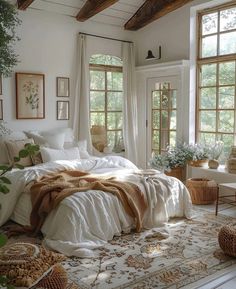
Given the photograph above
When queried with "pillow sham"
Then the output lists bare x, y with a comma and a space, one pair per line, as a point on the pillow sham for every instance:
49, 155
82, 145
13, 149
49, 139
13, 136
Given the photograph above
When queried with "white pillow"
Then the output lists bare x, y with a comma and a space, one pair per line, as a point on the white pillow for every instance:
49, 155
48, 139
82, 145
11, 137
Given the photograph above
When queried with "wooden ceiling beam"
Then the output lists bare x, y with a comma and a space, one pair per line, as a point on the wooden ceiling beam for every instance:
24, 4
152, 10
92, 7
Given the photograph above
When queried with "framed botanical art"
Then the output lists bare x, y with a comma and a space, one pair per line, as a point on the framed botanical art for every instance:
30, 96
1, 109
63, 87
0, 84
63, 110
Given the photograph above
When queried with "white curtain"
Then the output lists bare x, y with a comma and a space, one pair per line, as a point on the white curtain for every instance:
81, 123
130, 120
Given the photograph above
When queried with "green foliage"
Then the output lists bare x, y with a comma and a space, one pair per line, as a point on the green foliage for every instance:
9, 21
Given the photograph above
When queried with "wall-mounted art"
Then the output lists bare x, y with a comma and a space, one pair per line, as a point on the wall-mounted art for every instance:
63, 87
0, 84
30, 96
63, 110
1, 109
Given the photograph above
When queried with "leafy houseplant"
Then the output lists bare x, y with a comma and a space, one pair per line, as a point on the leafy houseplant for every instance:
29, 150
8, 22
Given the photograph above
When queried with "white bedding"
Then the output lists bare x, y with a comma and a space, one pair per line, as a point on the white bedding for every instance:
87, 220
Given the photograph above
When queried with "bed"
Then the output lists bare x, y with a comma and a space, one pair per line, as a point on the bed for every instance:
87, 220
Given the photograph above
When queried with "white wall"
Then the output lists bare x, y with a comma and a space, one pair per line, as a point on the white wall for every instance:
48, 46
171, 32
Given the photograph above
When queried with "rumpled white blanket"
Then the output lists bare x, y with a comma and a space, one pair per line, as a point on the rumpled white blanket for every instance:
87, 220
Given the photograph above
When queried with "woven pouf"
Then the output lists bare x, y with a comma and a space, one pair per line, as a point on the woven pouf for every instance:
227, 240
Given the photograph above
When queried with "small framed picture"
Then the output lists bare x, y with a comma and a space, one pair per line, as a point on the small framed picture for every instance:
30, 96
0, 84
63, 111
1, 109
63, 87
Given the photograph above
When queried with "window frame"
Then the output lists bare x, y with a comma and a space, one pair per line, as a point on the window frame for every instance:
218, 59
106, 69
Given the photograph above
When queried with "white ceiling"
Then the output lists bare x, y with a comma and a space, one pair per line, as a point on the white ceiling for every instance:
117, 14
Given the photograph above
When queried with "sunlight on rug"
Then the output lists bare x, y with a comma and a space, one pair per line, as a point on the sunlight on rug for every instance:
173, 256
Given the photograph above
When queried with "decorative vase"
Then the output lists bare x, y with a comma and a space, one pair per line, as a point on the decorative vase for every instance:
177, 172
198, 163
213, 164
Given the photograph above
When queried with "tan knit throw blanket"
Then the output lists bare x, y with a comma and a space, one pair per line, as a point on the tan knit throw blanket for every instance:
48, 191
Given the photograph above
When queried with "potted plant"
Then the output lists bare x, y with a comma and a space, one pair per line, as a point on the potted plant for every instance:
215, 151
199, 155
8, 22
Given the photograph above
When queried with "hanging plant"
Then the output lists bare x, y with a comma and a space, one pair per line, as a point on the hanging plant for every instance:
8, 23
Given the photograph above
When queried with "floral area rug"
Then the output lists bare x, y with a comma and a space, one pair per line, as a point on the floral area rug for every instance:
176, 255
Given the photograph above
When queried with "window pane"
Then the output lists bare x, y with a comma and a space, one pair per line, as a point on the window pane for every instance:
228, 140
228, 19
156, 119
208, 98
114, 100
156, 99
228, 43
209, 46
114, 138
164, 139
226, 121
208, 121
155, 140
114, 120
207, 138
114, 81
172, 138
173, 120
97, 80
165, 99
97, 100
105, 60
227, 73
209, 23
97, 118
208, 75
226, 97
164, 120
173, 94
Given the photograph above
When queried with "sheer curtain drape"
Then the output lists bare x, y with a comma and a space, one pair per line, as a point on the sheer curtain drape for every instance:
130, 120
81, 122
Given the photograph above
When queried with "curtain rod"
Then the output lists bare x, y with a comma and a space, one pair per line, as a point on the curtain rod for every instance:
114, 39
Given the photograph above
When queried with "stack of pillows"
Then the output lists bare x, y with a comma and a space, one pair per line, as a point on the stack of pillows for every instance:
54, 145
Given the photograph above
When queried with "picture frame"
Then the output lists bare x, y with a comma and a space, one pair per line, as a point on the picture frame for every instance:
30, 95
63, 87
63, 110
1, 109
0, 84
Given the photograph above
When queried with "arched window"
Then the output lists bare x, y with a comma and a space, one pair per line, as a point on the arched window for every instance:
106, 102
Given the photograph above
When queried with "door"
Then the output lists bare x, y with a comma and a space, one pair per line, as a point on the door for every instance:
162, 111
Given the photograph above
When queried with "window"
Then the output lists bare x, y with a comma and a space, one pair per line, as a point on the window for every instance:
216, 98
163, 117
106, 101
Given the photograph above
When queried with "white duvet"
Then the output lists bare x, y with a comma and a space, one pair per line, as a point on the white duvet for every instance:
87, 220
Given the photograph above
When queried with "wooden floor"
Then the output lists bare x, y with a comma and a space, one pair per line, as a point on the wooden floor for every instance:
225, 279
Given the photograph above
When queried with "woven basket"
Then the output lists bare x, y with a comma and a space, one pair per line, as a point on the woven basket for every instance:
177, 172
227, 240
202, 191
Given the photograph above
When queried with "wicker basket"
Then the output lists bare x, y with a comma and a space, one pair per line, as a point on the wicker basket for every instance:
177, 172
227, 240
202, 191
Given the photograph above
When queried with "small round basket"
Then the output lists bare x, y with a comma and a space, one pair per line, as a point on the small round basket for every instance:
227, 240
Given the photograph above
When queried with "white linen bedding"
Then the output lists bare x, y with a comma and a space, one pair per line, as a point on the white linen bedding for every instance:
87, 220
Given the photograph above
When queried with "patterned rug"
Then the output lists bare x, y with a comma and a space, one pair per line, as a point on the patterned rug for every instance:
173, 256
